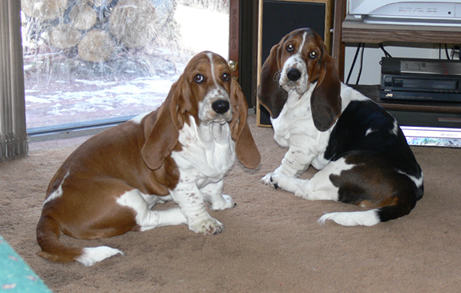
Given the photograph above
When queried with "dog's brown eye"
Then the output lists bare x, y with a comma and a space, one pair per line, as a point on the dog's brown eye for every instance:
313, 55
198, 78
290, 48
225, 77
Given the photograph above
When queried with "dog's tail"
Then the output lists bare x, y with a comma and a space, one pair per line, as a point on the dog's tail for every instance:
401, 206
48, 232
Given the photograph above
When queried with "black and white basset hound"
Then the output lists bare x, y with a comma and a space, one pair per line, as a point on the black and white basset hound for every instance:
359, 149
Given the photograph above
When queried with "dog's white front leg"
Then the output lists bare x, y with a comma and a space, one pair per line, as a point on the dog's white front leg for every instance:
296, 161
191, 202
213, 195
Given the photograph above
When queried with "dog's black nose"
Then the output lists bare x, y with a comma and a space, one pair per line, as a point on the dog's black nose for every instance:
220, 106
293, 74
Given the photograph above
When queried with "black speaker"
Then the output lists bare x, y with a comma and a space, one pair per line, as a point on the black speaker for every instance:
278, 18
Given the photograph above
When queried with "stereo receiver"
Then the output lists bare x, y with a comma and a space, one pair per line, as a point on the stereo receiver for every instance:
420, 79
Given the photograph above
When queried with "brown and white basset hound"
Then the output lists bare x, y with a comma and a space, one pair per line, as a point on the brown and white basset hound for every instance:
181, 152
359, 149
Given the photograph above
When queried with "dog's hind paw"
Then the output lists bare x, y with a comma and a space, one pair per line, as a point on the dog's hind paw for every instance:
226, 202
365, 218
209, 226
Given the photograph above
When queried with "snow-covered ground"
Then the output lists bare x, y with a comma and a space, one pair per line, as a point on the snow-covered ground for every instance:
69, 96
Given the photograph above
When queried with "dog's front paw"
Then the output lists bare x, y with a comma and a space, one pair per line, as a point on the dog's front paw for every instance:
267, 179
270, 179
226, 203
209, 226
300, 188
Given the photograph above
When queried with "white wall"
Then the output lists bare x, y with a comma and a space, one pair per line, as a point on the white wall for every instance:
371, 70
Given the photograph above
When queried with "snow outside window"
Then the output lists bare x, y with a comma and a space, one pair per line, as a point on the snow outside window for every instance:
93, 60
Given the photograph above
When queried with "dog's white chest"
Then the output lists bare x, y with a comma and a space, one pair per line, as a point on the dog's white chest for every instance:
294, 120
208, 152
295, 128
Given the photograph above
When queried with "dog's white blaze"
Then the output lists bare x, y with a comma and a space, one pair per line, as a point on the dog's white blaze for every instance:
92, 255
367, 218
58, 192
210, 56
302, 44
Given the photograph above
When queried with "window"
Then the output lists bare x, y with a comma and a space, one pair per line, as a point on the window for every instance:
94, 61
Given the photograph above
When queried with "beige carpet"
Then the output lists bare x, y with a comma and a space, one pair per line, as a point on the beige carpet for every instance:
271, 243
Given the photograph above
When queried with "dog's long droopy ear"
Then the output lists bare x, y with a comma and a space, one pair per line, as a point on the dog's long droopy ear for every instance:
270, 94
245, 146
163, 136
326, 97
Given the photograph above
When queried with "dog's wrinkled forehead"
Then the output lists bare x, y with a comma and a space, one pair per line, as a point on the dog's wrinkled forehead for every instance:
296, 39
206, 71
301, 41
